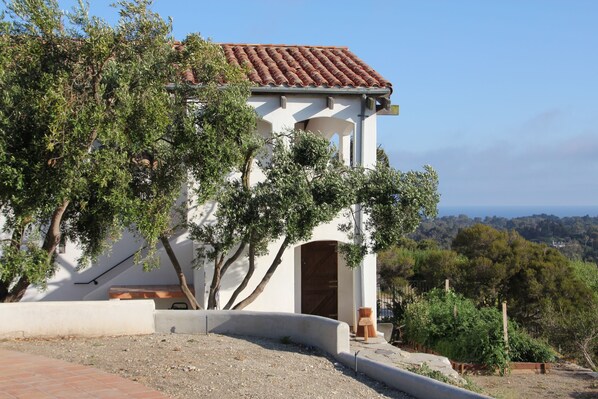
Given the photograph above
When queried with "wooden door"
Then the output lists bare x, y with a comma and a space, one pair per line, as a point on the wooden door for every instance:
319, 279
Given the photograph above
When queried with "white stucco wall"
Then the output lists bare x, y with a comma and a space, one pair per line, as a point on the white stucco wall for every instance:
76, 318
62, 287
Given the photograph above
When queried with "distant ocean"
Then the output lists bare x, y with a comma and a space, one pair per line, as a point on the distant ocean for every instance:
517, 211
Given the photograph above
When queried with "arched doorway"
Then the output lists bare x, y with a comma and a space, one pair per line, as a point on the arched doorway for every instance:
319, 279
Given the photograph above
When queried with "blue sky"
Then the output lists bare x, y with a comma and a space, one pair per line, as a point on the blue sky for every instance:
501, 97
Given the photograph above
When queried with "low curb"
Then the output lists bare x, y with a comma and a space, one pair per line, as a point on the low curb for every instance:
413, 384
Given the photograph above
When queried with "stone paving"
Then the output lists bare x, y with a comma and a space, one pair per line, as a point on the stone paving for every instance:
24, 376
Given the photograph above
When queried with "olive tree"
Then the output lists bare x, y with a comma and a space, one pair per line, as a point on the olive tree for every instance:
304, 186
96, 132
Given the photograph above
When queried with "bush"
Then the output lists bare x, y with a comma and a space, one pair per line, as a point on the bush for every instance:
451, 325
524, 348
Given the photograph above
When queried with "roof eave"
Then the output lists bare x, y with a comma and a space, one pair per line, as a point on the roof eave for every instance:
369, 91
281, 90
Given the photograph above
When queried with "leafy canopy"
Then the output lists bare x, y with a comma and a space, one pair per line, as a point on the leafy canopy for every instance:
95, 129
304, 185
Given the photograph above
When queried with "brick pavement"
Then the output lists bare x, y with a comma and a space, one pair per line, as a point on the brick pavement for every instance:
25, 376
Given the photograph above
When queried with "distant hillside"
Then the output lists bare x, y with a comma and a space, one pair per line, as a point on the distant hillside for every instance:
575, 237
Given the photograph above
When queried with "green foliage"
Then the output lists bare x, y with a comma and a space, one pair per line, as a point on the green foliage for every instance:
95, 129
575, 329
587, 272
435, 266
395, 267
382, 157
452, 325
31, 262
522, 346
575, 332
396, 202
304, 186
393, 203
545, 293
353, 253
575, 237
426, 371
504, 266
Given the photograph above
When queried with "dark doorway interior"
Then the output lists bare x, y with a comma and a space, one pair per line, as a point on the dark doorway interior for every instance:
319, 279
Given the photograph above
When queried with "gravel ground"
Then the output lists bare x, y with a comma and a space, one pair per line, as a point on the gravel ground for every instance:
214, 366
565, 380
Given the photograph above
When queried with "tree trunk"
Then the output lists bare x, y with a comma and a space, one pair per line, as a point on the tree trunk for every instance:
17, 292
260, 287
219, 273
51, 241
4, 290
585, 346
215, 286
246, 279
53, 235
182, 280
6, 294
233, 258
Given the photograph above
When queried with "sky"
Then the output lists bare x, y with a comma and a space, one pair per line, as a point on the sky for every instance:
500, 97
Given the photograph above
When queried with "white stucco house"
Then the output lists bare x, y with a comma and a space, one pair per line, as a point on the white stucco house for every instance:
322, 89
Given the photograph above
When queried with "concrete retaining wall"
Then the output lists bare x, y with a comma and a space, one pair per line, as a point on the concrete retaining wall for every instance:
329, 335
84, 318
406, 381
91, 318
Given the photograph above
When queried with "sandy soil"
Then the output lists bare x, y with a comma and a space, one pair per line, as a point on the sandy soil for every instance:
214, 366
564, 381
217, 366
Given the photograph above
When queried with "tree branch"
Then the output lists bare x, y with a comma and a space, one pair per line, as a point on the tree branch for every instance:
246, 279
260, 287
233, 258
215, 286
52, 238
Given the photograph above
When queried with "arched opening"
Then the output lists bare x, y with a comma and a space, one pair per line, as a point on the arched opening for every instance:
337, 131
335, 142
319, 279
264, 128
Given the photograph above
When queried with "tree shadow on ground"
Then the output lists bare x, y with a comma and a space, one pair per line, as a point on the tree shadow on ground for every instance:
286, 344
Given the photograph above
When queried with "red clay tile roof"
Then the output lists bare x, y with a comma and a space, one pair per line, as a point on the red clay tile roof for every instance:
304, 66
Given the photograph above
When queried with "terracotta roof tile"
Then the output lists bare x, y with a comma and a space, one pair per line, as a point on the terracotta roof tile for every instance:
303, 66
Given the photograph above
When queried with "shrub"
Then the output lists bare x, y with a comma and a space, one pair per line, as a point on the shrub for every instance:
524, 348
451, 325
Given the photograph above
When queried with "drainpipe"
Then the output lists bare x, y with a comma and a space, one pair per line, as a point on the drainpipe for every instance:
360, 217
358, 151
